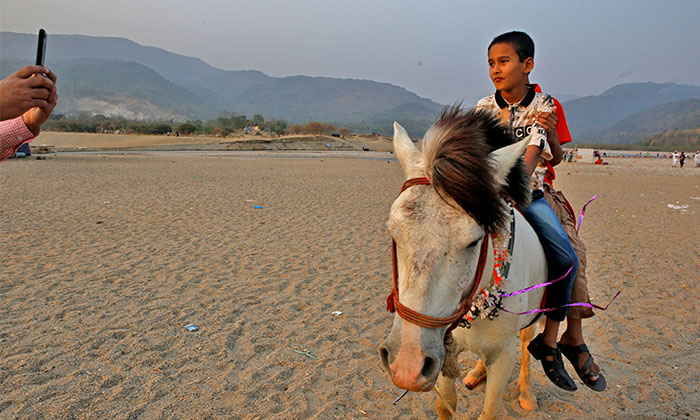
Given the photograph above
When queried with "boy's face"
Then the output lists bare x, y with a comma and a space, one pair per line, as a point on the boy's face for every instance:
505, 68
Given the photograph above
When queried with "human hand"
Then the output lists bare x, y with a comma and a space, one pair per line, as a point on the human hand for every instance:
37, 116
548, 121
26, 89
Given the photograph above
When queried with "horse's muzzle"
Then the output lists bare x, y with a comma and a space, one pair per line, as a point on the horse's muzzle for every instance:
412, 367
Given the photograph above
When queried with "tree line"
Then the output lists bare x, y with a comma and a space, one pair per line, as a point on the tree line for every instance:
227, 123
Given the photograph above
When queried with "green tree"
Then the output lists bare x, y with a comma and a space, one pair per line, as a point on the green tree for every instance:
187, 128
280, 127
258, 120
158, 128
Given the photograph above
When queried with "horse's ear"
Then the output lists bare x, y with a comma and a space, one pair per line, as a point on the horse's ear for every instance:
406, 152
506, 157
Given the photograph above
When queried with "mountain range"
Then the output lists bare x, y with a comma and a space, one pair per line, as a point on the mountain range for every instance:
116, 76
665, 118
632, 112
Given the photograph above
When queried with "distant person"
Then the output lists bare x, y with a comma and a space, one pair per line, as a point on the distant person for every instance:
27, 99
697, 159
675, 155
682, 159
517, 104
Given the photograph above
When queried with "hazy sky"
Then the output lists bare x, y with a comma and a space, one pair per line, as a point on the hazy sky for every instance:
434, 48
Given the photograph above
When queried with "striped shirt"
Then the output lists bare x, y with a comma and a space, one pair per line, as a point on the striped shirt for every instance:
521, 118
13, 133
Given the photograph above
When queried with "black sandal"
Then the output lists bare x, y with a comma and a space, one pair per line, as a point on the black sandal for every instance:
554, 369
585, 373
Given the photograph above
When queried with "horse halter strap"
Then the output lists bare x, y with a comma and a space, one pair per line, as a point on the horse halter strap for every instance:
418, 318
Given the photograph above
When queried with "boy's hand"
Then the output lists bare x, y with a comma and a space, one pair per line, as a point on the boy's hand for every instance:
548, 121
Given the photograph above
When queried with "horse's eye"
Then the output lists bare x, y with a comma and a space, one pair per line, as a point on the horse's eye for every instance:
473, 244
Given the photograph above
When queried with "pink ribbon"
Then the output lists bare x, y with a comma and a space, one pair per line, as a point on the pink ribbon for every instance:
538, 285
587, 305
583, 211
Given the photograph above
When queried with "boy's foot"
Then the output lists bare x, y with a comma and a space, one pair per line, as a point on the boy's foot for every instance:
552, 363
584, 365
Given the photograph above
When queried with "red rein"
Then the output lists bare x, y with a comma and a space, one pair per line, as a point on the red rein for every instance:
417, 318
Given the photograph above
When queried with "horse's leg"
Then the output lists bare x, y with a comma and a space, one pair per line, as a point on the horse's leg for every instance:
448, 391
527, 398
475, 376
499, 364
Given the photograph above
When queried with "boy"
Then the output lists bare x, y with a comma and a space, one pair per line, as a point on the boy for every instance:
572, 343
511, 59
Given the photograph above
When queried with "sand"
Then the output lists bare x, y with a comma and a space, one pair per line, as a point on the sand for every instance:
265, 141
109, 256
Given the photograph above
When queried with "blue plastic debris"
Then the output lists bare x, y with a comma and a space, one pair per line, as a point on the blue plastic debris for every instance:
258, 207
191, 327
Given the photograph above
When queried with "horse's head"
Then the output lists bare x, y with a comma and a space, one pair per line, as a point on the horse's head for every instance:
438, 229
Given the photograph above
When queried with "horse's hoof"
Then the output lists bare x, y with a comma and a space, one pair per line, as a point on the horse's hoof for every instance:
470, 381
529, 405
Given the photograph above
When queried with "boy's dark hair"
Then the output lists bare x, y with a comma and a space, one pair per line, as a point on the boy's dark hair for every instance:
520, 41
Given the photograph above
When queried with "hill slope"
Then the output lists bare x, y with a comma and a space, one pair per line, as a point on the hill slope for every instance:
687, 140
302, 98
174, 67
114, 87
678, 115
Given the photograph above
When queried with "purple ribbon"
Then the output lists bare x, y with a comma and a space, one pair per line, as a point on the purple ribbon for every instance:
537, 286
583, 211
588, 305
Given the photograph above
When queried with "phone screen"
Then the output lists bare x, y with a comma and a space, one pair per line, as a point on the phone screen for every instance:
41, 48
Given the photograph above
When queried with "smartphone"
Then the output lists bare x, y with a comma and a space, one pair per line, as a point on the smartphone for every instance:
41, 48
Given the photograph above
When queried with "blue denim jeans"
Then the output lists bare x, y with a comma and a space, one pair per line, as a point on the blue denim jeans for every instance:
559, 253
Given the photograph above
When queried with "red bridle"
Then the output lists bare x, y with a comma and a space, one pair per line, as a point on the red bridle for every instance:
417, 318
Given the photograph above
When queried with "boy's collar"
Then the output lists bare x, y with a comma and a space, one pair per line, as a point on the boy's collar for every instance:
529, 96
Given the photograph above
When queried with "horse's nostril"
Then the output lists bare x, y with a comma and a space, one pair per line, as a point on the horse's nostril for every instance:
429, 366
384, 353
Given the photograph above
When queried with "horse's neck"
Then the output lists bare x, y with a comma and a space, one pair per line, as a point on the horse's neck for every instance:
527, 245
490, 262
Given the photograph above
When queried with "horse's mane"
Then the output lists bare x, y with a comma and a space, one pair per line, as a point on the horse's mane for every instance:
456, 150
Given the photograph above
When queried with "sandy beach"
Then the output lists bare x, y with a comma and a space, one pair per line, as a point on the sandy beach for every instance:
263, 142
108, 256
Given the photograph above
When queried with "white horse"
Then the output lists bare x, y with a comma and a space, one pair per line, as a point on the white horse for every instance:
438, 230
